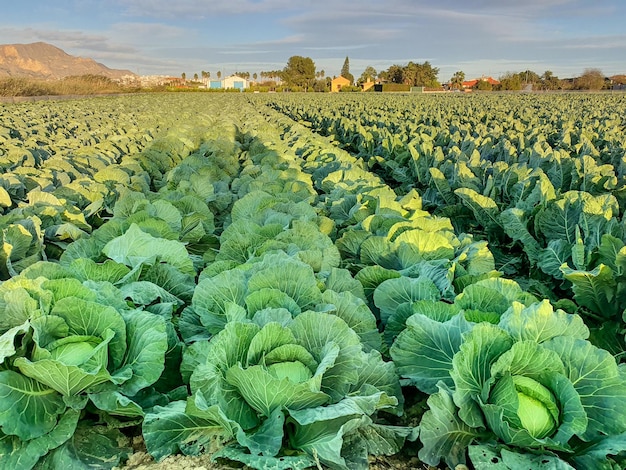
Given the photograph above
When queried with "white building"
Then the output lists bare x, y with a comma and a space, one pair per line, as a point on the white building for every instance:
232, 81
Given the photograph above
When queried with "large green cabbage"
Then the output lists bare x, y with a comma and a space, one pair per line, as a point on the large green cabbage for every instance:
530, 383
283, 392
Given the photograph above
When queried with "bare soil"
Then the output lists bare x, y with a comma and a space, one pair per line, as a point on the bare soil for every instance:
141, 460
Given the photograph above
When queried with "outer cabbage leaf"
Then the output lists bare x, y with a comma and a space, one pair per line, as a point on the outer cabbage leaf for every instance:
438, 311
262, 462
294, 278
136, 247
485, 458
213, 295
317, 332
90, 446
357, 315
169, 429
483, 345
539, 322
443, 434
390, 294
594, 289
28, 409
145, 354
321, 431
7, 340
24, 455
68, 380
423, 352
599, 382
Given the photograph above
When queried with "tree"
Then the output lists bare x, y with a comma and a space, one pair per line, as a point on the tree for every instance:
420, 74
483, 85
254, 76
529, 77
510, 81
183, 76
456, 82
300, 71
591, 79
394, 74
413, 74
195, 77
345, 70
548, 81
219, 74
369, 74
320, 85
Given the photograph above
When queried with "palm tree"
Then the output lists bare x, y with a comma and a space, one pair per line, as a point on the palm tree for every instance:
219, 74
457, 80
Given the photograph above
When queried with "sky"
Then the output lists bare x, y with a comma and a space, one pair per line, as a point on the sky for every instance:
478, 37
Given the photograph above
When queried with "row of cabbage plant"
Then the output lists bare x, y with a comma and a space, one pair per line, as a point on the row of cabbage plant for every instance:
544, 185
259, 330
501, 366
89, 340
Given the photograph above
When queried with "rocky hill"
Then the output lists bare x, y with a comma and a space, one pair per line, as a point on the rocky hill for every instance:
42, 60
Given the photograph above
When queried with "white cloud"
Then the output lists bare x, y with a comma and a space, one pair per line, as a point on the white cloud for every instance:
146, 33
478, 36
199, 9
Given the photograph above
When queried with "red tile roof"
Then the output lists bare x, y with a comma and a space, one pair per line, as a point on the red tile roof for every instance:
472, 83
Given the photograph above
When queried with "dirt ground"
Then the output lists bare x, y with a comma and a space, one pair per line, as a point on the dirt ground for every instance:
142, 461
406, 459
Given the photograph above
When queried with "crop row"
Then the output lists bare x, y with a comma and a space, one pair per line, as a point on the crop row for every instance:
541, 178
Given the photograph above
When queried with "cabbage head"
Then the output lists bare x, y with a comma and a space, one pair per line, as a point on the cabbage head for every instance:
533, 406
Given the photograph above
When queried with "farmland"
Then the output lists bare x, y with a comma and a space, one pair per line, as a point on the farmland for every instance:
302, 280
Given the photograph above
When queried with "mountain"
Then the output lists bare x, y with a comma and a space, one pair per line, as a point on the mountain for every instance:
43, 60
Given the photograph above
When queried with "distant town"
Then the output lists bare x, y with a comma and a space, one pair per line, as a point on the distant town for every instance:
300, 75
43, 69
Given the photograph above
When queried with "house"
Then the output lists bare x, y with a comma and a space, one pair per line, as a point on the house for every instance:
338, 83
367, 85
472, 83
232, 81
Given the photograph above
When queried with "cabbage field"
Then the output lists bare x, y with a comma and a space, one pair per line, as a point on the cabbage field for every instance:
290, 281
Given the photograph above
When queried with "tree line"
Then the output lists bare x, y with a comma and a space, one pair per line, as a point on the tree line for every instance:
300, 73
590, 79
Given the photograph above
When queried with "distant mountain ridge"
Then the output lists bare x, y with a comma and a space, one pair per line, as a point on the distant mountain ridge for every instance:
43, 60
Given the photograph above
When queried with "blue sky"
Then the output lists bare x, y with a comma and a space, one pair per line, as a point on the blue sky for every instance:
479, 37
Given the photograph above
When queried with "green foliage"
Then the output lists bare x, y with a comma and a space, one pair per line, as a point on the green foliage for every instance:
217, 275
345, 70
591, 79
413, 74
525, 383
299, 71
73, 85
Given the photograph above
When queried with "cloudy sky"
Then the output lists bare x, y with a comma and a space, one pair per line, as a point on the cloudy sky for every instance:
479, 37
